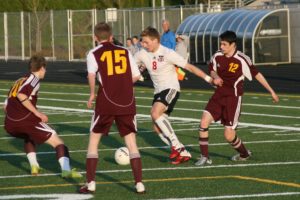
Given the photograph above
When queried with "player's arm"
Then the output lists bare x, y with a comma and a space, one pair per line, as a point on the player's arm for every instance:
24, 99
4, 105
92, 68
198, 72
92, 84
261, 79
217, 80
135, 71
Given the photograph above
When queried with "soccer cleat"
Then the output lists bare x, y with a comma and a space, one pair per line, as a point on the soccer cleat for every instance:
70, 174
238, 157
180, 159
140, 188
35, 170
174, 152
203, 161
88, 188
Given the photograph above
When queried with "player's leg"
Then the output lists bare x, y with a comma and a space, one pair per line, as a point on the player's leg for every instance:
99, 126
127, 127
203, 139
237, 144
62, 155
161, 135
29, 148
211, 113
233, 108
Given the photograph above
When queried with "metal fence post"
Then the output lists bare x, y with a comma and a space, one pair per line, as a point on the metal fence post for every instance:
52, 35
69, 34
22, 35
5, 37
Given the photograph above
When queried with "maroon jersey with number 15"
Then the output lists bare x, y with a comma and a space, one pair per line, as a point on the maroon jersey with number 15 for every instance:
115, 67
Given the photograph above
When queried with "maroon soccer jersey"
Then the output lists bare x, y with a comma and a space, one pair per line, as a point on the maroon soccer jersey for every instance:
232, 70
16, 113
115, 94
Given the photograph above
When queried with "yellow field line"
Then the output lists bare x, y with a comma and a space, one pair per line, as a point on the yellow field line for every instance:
160, 180
269, 181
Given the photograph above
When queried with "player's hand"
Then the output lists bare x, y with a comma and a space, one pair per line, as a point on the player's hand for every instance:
218, 82
42, 116
275, 98
90, 101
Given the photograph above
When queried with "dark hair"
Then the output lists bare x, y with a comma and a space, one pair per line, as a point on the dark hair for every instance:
36, 62
151, 32
102, 31
136, 37
228, 36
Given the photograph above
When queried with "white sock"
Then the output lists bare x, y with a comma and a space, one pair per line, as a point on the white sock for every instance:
164, 139
64, 163
163, 123
32, 159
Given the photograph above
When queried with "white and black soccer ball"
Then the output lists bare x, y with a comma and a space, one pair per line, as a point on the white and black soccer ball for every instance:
122, 156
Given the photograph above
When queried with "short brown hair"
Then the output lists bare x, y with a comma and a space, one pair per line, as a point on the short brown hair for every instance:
36, 62
102, 31
151, 32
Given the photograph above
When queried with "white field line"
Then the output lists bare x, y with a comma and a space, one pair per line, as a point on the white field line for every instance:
287, 134
180, 100
180, 118
49, 196
157, 147
258, 195
116, 132
251, 165
270, 131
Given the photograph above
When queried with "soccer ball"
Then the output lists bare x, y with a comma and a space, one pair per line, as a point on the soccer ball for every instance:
122, 156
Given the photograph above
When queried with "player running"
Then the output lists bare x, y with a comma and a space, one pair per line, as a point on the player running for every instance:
23, 120
160, 62
230, 67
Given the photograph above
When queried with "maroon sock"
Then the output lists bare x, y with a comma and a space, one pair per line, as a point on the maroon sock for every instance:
203, 143
91, 166
136, 166
238, 145
62, 151
29, 146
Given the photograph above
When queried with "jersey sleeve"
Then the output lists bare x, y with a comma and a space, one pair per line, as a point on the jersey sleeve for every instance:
134, 67
92, 66
176, 59
28, 86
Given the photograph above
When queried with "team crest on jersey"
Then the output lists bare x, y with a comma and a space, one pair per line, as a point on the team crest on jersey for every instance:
160, 58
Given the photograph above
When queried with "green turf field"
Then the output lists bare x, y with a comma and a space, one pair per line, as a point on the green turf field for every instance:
271, 131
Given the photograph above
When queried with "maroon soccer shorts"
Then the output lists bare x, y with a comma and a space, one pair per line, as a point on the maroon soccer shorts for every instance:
38, 132
225, 108
126, 124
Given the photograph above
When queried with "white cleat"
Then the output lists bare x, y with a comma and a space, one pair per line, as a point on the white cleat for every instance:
140, 188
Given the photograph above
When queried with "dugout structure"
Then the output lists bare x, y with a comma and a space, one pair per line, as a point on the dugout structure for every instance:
264, 35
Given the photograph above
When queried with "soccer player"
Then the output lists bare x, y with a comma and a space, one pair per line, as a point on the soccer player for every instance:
229, 67
23, 120
116, 71
160, 62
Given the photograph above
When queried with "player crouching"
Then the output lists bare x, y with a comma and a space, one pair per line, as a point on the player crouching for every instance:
23, 120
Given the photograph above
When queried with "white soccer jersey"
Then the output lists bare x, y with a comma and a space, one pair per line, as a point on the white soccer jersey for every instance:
160, 66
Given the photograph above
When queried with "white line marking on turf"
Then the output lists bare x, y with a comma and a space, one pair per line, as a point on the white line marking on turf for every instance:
179, 118
287, 134
269, 131
156, 147
168, 168
49, 196
237, 196
180, 100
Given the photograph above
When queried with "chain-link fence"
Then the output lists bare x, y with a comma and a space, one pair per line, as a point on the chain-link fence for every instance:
68, 34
